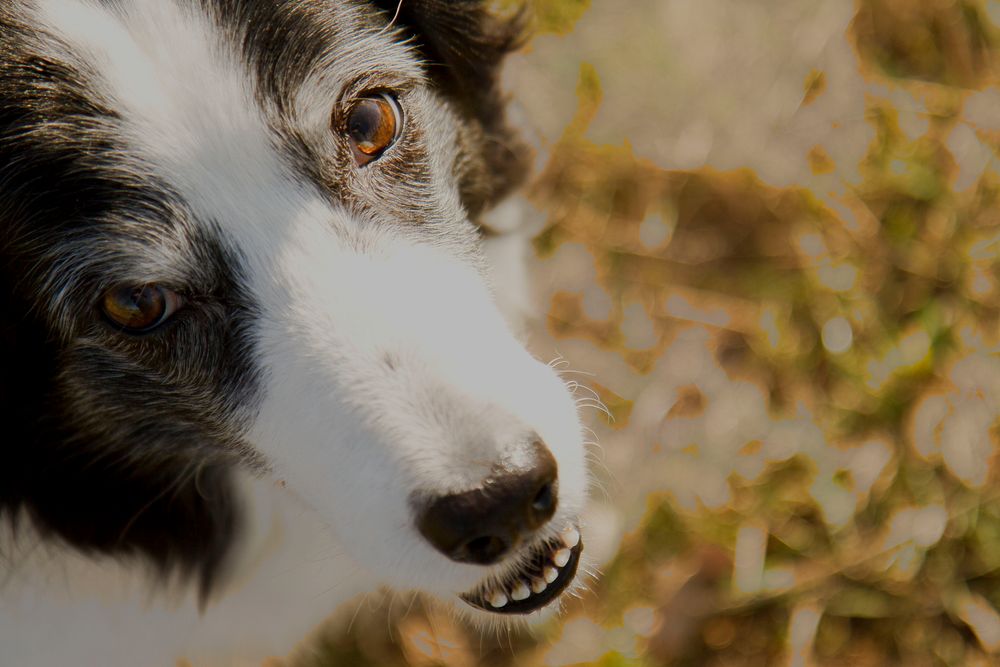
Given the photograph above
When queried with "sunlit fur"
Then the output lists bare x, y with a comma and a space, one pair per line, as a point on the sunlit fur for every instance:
216, 488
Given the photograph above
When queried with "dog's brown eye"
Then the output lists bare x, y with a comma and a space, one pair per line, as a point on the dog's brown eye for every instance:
139, 309
373, 124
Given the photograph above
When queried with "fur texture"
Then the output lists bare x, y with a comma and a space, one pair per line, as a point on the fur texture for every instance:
339, 355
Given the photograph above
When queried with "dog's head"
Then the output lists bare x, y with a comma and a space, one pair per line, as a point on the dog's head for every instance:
241, 234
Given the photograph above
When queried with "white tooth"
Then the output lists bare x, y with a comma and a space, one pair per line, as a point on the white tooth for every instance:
498, 599
571, 537
520, 591
561, 557
550, 574
538, 585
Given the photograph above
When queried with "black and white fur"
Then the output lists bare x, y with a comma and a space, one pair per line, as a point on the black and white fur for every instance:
215, 488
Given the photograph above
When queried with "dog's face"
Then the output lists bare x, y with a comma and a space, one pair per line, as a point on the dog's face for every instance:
237, 234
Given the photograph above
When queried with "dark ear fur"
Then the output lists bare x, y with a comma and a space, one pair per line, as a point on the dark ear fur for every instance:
464, 45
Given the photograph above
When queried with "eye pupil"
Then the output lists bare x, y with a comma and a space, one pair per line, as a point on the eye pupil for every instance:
364, 123
373, 126
147, 301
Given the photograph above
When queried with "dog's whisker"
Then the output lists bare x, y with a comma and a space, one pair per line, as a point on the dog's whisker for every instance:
589, 390
395, 17
357, 610
596, 405
557, 361
564, 371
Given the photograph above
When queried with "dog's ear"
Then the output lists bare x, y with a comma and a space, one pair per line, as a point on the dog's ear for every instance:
463, 45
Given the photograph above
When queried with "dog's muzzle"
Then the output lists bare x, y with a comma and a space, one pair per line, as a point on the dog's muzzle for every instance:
488, 524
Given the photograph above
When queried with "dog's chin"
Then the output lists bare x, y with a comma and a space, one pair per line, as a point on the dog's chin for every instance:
533, 581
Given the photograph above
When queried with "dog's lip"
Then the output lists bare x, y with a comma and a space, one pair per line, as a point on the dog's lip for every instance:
548, 570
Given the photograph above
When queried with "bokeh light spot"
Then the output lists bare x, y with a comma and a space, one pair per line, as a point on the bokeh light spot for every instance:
837, 335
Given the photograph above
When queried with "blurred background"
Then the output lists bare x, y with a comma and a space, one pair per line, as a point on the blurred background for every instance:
768, 232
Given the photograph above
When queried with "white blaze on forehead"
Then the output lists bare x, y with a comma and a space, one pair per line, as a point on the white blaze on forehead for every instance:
185, 102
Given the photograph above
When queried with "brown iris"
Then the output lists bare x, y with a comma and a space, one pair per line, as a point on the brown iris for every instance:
139, 308
373, 124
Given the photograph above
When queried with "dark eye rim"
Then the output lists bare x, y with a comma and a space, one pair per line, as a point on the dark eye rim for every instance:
362, 159
173, 301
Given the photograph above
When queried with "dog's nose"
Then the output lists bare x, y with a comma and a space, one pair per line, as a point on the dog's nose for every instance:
483, 525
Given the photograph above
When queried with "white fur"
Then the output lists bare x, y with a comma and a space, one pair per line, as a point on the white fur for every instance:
348, 439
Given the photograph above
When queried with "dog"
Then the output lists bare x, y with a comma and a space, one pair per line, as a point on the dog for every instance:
254, 364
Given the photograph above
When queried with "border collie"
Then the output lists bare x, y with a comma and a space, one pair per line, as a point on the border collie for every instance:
253, 364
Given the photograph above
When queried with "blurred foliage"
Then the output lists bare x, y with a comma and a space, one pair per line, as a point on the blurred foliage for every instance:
557, 16
944, 41
812, 418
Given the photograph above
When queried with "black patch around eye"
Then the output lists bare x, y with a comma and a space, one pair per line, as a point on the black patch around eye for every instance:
106, 453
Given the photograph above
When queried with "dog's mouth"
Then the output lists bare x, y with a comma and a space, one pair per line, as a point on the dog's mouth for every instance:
543, 575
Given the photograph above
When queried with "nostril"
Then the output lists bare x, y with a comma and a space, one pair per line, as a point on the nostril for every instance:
544, 500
